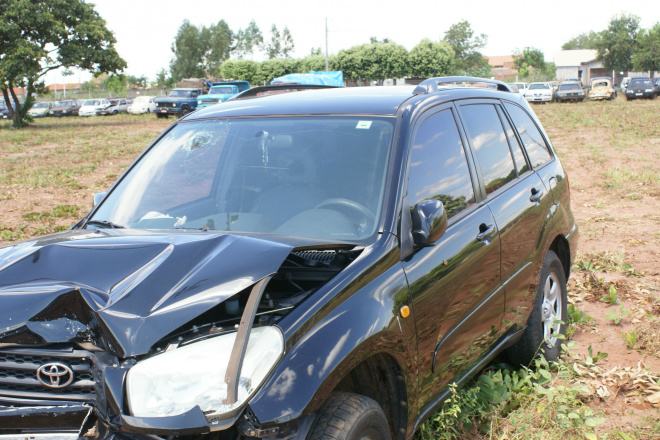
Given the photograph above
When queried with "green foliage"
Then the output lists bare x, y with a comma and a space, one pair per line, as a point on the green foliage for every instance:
506, 398
373, 62
198, 52
616, 317
280, 44
587, 40
646, 55
429, 58
270, 69
315, 63
244, 70
163, 81
611, 298
617, 43
465, 44
247, 40
630, 338
116, 84
531, 64
37, 37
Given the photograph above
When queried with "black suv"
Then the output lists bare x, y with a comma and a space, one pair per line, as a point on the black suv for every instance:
294, 266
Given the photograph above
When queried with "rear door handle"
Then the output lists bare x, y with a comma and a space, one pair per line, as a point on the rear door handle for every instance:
485, 232
536, 195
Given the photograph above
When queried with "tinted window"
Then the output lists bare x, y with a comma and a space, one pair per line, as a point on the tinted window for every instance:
490, 143
518, 156
537, 151
438, 168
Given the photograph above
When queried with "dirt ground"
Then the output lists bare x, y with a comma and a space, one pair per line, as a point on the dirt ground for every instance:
613, 171
611, 150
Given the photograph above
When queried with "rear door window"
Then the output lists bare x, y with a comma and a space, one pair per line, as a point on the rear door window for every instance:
536, 148
491, 145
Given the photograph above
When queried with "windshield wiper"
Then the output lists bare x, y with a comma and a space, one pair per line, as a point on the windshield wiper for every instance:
105, 224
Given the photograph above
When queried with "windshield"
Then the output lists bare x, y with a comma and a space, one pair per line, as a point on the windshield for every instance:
64, 104
92, 102
221, 90
641, 82
180, 93
318, 177
40, 105
601, 83
538, 86
570, 87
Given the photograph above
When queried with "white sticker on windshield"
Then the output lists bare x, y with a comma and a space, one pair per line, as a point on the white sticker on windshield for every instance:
364, 125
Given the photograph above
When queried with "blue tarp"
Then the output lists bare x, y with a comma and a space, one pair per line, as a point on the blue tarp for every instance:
321, 78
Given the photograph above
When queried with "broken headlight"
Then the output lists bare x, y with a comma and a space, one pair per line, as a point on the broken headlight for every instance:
176, 381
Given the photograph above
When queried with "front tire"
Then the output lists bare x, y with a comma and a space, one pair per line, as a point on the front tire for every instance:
548, 316
348, 416
184, 111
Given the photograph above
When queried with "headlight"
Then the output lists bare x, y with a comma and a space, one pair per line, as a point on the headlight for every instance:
648, 90
176, 381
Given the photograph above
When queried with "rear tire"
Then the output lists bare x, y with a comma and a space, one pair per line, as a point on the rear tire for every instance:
549, 307
348, 416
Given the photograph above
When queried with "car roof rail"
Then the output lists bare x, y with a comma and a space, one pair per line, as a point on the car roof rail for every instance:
435, 84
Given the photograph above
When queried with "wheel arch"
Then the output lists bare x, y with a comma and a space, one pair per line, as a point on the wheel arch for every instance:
561, 247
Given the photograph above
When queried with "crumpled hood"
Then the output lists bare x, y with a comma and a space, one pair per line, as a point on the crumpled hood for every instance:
135, 287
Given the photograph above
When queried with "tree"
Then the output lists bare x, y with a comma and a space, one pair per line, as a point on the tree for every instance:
646, 55
247, 40
617, 43
219, 47
587, 40
37, 37
530, 62
461, 38
429, 59
280, 44
245, 70
270, 69
163, 81
189, 49
372, 62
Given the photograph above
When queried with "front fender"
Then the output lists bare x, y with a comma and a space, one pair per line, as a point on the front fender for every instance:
363, 323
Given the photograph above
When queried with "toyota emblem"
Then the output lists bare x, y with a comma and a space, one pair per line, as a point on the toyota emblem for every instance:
55, 375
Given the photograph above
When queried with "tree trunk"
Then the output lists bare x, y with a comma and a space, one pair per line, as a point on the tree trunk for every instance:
10, 109
16, 115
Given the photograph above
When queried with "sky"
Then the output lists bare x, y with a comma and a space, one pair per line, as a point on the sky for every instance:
145, 29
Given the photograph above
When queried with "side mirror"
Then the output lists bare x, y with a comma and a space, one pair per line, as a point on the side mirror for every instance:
98, 197
429, 222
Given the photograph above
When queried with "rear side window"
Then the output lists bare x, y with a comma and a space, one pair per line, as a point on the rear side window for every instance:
491, 145
438, 167
537, 150
518, 156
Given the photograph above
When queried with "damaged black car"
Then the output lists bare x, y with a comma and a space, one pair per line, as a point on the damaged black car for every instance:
296, 266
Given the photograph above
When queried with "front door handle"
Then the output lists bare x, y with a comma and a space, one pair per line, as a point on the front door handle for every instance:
536, 195
485, 232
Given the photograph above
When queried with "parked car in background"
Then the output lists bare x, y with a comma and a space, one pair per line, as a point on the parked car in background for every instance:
40, 109
522, 88
92, 107
577, 80
624, 84
555, 85
142, 104
640, 87
570, 91
180, 102
539, 92
601, 88
116, 106
222, 91
68, 107
321, 264
656, 86
4, 113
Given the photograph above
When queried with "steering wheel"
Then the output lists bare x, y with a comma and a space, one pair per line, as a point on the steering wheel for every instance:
346, 203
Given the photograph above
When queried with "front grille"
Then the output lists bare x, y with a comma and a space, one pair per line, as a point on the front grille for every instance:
18, 375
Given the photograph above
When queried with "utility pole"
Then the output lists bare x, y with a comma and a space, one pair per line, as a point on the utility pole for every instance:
326, 44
